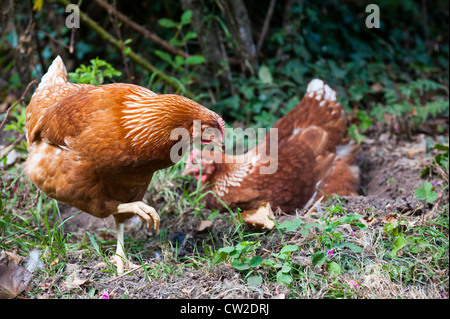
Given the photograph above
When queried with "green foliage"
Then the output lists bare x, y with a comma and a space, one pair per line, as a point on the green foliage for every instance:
425, 193
329, 236
126, 49
95, 74
440, 160
185, 20
181, 64
405, 100
291, 225
408, 243
281, 266
396, 231
242, 259
318, 258
260, 101
354, 133
18, 124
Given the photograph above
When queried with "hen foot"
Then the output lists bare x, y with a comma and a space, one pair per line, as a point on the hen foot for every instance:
144, 211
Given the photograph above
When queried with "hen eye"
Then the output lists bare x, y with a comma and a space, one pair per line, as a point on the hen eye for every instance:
209, 130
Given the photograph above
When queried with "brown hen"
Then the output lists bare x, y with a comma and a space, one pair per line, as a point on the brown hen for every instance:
96, 147
313, 157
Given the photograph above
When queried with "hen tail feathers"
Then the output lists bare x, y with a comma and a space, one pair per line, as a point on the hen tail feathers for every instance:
56, 74
322, 126
320, 90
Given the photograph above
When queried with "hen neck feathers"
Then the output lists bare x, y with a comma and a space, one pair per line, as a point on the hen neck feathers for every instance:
231, 172
148, 119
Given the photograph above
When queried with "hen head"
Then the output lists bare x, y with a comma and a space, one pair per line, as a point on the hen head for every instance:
209, 132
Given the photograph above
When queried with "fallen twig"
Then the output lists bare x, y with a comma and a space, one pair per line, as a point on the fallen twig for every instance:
313, 207
433, 210
126, 273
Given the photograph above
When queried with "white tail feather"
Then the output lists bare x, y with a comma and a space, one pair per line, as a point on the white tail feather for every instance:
56, 74
320, 90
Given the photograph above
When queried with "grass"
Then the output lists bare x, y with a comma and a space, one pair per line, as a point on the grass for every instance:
334, 254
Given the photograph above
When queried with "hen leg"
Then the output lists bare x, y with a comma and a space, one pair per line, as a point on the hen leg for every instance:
119, 259
147, 213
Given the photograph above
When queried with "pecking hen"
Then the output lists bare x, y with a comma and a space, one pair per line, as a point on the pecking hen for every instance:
313, 157
97, 147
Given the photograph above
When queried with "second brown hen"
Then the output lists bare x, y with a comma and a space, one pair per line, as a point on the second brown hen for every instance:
314, 157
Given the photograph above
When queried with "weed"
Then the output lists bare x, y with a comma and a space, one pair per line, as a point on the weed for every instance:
94, 74
425, 193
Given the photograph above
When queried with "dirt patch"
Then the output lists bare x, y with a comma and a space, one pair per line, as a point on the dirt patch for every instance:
390, 167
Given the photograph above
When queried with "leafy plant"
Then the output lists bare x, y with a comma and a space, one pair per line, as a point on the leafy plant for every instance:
283, 264
426, 193
242, 259
290, 225
94, 74
355, 134
17, 125
329, 236
179, 39
405, 100
440, 162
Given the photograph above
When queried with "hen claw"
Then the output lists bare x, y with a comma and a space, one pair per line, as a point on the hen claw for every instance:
147, 213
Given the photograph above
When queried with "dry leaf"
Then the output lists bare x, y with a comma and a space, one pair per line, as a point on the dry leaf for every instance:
415, 151
77, 283
204, 225
186, 292
389, 218
73, 281
101, 265
369, 221
54, 262
7, 256
13, 280
261, 218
